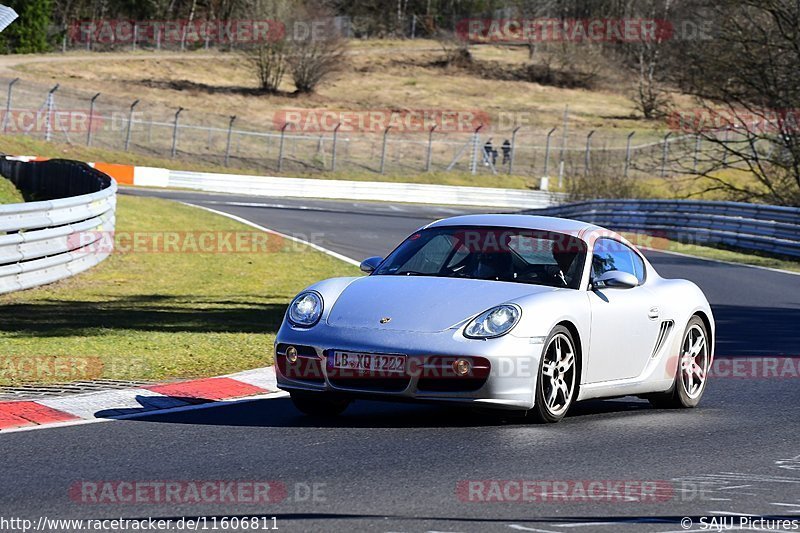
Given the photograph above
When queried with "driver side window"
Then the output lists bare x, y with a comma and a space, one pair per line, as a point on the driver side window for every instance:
609, 254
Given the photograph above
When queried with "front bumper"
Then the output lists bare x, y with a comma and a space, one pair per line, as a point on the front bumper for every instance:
513, 365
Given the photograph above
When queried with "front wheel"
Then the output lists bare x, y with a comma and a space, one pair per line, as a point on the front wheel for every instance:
557, 378
319, 404
693, 366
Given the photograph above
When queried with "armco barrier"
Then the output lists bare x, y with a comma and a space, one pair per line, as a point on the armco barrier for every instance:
38, 243
763, 228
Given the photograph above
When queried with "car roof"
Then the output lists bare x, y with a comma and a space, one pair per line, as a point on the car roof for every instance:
533, 222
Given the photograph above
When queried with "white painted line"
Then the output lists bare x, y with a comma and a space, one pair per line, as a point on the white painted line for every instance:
732, 513
787, 504
524, 528
279, 234
134, 416
679, 254
581, 524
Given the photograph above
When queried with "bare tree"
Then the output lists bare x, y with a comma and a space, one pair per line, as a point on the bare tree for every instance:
269, 57
316, 53
745, 81
650, 96
312, 61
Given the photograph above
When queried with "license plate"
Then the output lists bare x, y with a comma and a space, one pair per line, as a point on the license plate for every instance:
368, 362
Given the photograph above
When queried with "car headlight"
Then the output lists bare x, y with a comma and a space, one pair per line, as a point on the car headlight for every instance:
495, 322
305, 309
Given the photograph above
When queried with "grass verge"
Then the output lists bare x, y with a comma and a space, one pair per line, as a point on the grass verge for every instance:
8, 193
156, 316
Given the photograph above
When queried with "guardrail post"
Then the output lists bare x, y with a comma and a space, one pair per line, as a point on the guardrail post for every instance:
135, 35
475, 147
587, 156
91, 119
513, 150
175, 132
48, 121
230, 137
335, 140
627, 154
665, 154
130, 125
280, 149
383, 149
547, 151
429, 155
8, 103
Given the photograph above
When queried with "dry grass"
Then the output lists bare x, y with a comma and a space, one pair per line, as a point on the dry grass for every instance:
378, 75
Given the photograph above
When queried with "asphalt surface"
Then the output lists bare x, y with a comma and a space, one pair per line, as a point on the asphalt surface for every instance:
389, 467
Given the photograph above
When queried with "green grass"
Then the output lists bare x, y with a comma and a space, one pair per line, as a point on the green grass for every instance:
8, 193
157, 316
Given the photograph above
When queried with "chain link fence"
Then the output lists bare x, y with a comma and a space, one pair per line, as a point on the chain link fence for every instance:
60, 114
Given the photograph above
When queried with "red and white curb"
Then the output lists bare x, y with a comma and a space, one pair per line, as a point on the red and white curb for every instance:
129, 403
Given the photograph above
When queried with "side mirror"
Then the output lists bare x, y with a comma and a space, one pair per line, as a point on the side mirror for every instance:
370, 264
615, 279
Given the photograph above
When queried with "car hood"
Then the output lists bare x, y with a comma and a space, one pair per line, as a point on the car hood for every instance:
418, 303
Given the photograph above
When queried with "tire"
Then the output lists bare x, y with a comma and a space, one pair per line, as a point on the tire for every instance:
319, 404
557, 379
691, 376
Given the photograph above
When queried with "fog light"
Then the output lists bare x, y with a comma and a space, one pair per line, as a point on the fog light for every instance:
291, 354
462, 367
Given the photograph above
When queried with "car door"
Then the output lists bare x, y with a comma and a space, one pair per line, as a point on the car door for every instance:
625, 321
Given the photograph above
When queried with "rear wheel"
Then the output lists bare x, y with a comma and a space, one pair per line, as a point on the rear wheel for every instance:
557, 378
693, 366
319, 404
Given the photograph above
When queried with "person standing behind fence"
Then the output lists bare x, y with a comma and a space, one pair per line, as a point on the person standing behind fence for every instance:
487, 151
506, 151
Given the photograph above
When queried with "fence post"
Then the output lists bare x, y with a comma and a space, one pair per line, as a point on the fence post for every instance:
587, 157
697, 141
665, 154
475, 143
48, 121
333, 150
91, 119
175, 133
513, 150
230, 137
135, 35
725, 148
8, 103
627, 154
547, 151
383, 149
563, 147
429, 156
130, 125
280, 149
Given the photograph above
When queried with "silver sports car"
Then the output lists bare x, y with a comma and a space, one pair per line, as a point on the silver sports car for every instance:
512, 312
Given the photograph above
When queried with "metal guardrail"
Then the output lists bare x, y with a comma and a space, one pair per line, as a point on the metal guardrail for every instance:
752, 227
51, 239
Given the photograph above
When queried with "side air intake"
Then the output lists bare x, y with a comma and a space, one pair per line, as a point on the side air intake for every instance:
663, 333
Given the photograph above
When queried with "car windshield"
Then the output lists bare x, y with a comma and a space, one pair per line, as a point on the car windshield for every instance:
501, 254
